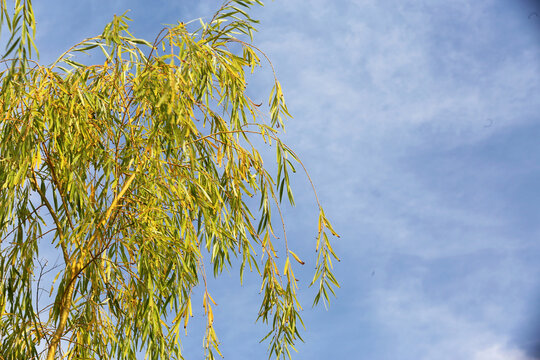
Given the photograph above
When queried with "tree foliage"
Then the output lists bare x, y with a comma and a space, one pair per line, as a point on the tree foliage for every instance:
139, 171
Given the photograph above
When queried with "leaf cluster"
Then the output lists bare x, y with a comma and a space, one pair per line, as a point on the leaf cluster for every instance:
136, 170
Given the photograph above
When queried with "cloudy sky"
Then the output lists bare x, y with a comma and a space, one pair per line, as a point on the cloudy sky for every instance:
418, 121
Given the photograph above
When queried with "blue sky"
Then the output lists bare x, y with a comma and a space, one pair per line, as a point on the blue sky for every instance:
419, 123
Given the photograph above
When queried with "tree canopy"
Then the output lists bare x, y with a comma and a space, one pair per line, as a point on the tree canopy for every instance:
140, 172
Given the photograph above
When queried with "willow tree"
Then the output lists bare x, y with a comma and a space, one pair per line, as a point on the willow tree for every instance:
139, 172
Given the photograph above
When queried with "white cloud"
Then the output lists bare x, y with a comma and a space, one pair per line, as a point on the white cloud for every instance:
500, 352
428, 330
386, 68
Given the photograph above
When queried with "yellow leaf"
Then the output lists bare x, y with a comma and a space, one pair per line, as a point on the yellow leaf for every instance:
296, 257
211, 299
286, 266
210, 316
329, 227
37, 160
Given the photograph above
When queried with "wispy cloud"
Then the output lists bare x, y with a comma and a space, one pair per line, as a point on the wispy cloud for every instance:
402, 111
